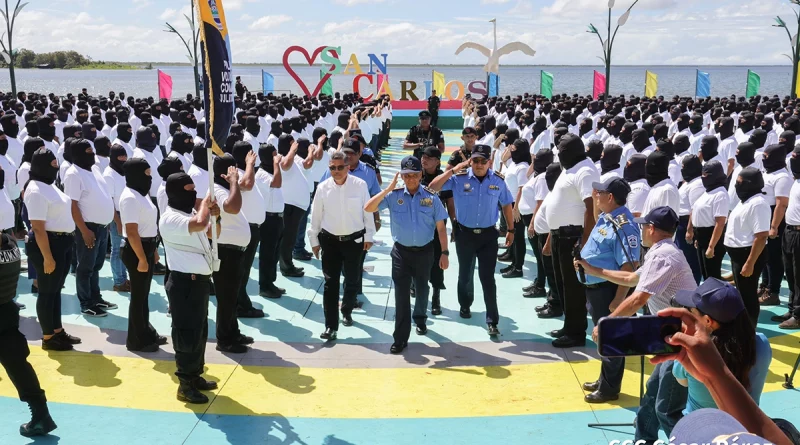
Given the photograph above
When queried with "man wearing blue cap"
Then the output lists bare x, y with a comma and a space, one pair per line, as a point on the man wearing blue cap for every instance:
478, 194
416, 213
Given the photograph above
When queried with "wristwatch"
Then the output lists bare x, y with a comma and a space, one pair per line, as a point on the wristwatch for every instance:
511, 230
446, 252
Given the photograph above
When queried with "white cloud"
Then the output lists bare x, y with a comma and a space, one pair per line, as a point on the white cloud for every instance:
141, 4
494, 2
168, 14
357, 2
269, 22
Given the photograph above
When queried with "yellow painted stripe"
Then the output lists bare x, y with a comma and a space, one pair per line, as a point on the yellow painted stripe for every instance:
122, 382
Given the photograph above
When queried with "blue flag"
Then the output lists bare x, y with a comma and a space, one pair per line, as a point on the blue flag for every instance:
703, 84
494, 84
267, 82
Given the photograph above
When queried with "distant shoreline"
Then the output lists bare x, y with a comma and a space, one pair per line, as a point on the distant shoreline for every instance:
142, 65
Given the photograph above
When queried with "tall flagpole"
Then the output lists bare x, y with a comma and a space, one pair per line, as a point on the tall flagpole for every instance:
696, 78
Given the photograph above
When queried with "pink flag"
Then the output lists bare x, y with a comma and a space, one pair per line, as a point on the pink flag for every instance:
599, 85
164, 85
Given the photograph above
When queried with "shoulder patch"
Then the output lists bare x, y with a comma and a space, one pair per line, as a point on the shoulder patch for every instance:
633, 241
500, 175
398, 188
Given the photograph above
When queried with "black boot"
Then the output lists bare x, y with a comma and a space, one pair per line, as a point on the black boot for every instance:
41, 423
436, 304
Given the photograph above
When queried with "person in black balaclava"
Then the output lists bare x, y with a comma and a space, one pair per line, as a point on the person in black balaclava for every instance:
709, 147
759, 139
609, 163
635, 168
544, 264
32, 128
594, 149
82, 154
787, 139
712, 205
253, 128
272, 228
200, 160
640, 142
613, 128
102, 148
660, 131
668, 148
690, 192
626, 134
657, 168
168, 167
558, 133
696, 124
745, 157
585, 128
201, 131
777, 186
124, 137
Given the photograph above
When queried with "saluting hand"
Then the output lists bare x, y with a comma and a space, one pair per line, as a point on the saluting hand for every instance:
464, 165
321, 141
251, 158
233, 175
393, 184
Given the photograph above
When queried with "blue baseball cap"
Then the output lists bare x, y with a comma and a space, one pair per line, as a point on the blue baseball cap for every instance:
616, 186
410, 164
715, 298
712, 426
481, 151
663, 218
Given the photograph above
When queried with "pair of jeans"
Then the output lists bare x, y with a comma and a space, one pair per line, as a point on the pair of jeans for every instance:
549, 270
612, 368
748, 286
271, 231
570, 290
791, 261
140, 332
118, 270
243, 302
689, 251
90, 261
410, 265
339, 257
14, 354
709, 267
662, 404
48, 303
539, 281
188, 299
228, 279
471, 246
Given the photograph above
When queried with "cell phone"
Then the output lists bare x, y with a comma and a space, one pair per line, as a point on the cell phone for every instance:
355, 131
633, 336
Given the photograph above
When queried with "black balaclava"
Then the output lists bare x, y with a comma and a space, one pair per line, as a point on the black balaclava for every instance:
146, 139
233, 138
745, 154
594, 149
657, 168
177, 196
709, 147
758, 138
544, 157
102, 146
787, 139
33, 129
239, 153
571, 151
266, 154
713, 176
551, 175
221, 165
611, 157
200, 156
794, 166
286, 126
185, 120
640, 140
285, 144
124, 132
635, 168
691, 168
626, 134
10, 125
42, 169
696, 123
169, 166
156, 132
136, 177
252, 126
275, 129
726, 129
586, 126
522, 152
767, 124
774, 158
117, 151
182, 143
30, 147
201, 129
666, 147
661, 131
3, 145
318, 133
68, 149
558, 133
751, 185
747, 122
302, 147
683, 122
792, 124
80, 157
111, 119
681, 143
512, 134
62, 114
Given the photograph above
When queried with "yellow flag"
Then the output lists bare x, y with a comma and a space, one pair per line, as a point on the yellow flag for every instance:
650, 84
438, 83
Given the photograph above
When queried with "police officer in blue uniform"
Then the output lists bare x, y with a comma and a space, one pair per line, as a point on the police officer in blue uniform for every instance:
478, 194
614, 244
416, 212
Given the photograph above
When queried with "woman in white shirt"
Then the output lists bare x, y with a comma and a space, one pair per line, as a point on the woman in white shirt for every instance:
139, 218
533, 193
542, 230
777, 186
707, 221
746, 237
690, 192
519, 160
50, 246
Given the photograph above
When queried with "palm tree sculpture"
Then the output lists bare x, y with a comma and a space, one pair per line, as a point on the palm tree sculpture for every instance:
608, 43
795, 58
493, 64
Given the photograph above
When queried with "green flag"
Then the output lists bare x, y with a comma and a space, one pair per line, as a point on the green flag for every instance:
753, 84
546, 85
327, 89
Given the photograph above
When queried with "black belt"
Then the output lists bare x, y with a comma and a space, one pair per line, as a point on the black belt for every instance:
152, 239
568, 231
275, 214
476, 231
343, 238
232, 247
190, 276
795, 228
415, 248
93, 226
61, 233
255, 225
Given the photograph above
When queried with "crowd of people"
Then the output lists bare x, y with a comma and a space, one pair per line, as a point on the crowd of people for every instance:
629, 204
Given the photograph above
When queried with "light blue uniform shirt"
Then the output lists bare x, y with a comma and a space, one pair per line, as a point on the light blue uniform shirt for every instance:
605, 250
478, 203
414, 217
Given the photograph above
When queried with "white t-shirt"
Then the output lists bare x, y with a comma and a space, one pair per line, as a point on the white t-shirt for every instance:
200, 179
733, 198
115, 184
253, 204
273, 197
318, 169
793, 211
235, 228
6, 211
638, 196
689, 193
747, 219
49, 204
23, 174
154, 162
137, 209
727, 149
10, 185
516, 176
89, 189
161, 198
710, 206
181, 157
572, 187
174, 229
777, 184
532, 188
540, 220
295, 185
662, 194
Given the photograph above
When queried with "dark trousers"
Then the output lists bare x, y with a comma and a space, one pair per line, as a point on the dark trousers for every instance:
188, 299
14, 354
518, 247
228, 279
243, 302
291, 225
612, 368
483, 247
270, 231
437, 274
410, 264
791, 261
748, 286
300, 241
339, 257
662, 405
709, 267
90, 262
570, 290
772, 276
48, 304
689, 251
539, 281
140, 332
549, 271
434, 117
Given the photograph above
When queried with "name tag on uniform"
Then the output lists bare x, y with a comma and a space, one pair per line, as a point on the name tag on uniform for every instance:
494, 187
426, 202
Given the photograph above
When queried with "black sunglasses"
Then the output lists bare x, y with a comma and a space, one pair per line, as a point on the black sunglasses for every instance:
337, 168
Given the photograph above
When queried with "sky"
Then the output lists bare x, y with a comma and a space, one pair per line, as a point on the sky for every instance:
658, 32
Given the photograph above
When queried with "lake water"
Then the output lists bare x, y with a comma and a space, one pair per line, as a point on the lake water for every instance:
725, 80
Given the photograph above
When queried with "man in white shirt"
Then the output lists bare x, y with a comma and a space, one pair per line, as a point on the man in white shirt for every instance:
791, 250
252, 133
123, 137
115, 182
727, 144
11, 130
145, 149
342, 230
663, 192
297, 197
269, 181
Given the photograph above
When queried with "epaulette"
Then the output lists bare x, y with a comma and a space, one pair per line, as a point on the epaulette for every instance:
399, 188
430, 190
462, 172
500, 175
370, 166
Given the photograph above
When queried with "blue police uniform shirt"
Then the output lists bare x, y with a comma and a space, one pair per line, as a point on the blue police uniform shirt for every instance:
604, 250
476, 201
414, 218
367, 174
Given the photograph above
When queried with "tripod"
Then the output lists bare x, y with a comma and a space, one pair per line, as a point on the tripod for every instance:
641, 394
788, 384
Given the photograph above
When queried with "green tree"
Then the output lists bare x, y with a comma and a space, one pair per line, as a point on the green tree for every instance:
25, 58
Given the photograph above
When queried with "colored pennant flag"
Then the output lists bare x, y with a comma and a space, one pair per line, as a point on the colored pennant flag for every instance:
267, 82
599, 85
546, 85
327, 88
218, 93
494, 85
703, 88
438, 83
753, 84
164, 85
650, 84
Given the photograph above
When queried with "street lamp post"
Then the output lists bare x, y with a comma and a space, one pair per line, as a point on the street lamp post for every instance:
608, 43
192, 52
795, 57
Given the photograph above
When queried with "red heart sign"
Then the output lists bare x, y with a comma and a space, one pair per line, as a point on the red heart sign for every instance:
310, 59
